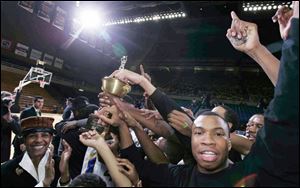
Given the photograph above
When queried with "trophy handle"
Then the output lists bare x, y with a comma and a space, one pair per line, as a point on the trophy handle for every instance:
123, 62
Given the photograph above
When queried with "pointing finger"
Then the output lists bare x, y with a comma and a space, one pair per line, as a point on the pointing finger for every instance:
234, 16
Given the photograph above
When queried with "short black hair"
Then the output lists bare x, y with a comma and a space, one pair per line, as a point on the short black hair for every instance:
231, 117
87, 180
210, 113
37, 98
79, 102
200, 111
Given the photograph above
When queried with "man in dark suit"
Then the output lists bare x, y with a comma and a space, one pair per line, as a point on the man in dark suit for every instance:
36, 167
35, 110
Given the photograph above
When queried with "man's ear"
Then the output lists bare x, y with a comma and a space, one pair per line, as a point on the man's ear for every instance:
229, 144
230, 125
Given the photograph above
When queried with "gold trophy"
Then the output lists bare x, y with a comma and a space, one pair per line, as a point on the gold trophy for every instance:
115, 86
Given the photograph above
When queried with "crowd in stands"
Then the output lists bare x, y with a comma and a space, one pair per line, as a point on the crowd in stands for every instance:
217, 84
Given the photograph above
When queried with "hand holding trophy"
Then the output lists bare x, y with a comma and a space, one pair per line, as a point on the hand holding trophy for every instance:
114, 86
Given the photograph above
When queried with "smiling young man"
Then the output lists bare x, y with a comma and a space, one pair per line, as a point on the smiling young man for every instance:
210, 147
210, 143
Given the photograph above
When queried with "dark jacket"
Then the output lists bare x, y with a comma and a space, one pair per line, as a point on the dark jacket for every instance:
6, 129
72, 136
13, 175
28, 112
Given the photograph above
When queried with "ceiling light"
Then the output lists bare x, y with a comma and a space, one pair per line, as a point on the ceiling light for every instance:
89, 18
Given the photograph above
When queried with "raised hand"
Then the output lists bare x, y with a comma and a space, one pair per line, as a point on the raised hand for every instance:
49, 171
64, 162
243, 35
147, 76
128, 76
90, 138
188, 111
181, 122
283, 16
150, 114
128, 169
114, 116
130, 121
65, 156
105, 99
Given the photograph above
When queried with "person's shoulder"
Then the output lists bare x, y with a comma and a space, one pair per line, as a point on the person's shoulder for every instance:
10, 165
27, 109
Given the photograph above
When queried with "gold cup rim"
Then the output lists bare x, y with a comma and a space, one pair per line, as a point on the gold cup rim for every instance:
122, 94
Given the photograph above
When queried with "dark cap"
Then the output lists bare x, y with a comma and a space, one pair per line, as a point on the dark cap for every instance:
37, 124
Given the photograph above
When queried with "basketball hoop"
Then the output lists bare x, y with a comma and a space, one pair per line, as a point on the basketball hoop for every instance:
42, 83
36, 75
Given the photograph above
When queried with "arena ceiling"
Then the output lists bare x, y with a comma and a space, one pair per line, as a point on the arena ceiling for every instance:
197, 39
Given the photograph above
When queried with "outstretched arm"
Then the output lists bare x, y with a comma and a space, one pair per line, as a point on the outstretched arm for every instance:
93, 139
252, 46
278, 139
159, 127
162, 102
152, 151
240, 144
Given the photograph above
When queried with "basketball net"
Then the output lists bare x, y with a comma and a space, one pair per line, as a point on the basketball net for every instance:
42, 83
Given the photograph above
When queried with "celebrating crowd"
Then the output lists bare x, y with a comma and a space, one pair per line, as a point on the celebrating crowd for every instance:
117, 144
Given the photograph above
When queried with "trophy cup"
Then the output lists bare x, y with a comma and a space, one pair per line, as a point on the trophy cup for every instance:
115, 86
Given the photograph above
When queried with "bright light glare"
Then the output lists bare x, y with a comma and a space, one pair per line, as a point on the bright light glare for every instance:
90, 19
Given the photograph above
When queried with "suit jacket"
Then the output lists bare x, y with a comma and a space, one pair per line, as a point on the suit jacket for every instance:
28, 112
13, 175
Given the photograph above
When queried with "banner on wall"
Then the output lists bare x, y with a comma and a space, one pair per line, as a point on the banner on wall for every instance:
48, 59
75, 28
21, 50
6, 44
46, 10
27, 5
60, 18
58, 63
35, 54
